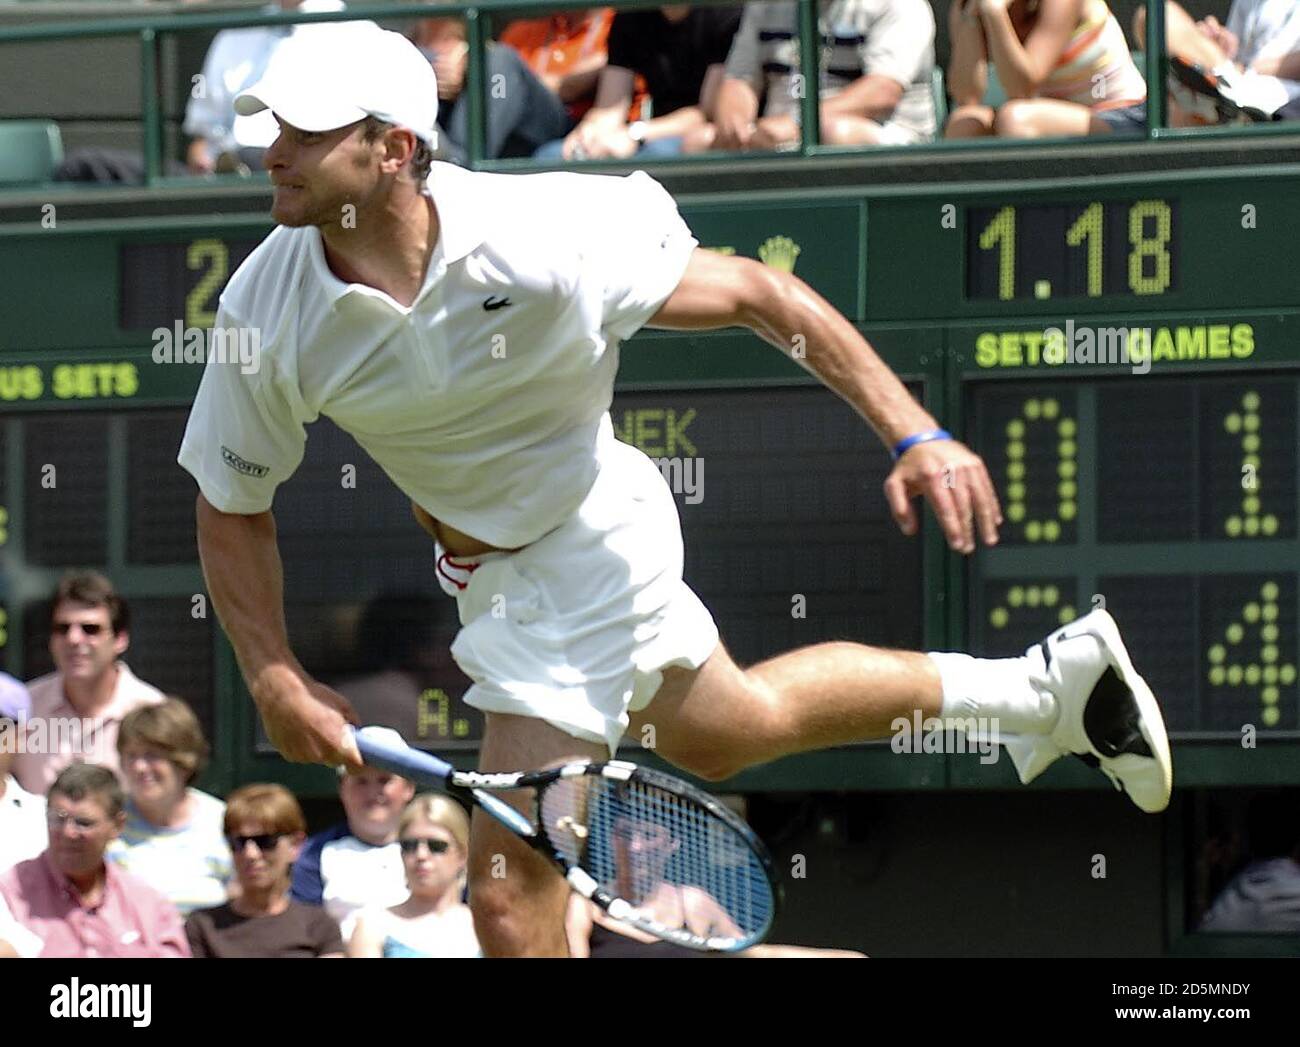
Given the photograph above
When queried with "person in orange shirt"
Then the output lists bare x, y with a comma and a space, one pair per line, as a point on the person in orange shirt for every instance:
566, 51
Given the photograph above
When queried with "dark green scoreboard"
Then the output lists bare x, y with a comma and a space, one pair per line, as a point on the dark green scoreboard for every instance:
1124, 353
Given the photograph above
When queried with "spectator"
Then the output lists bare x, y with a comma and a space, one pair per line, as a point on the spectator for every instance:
1265, 896
566, 52
266, 829
1064, 65
22, 815
522, 113
221, 140
433, 921
77, 904
77, 709
1254, 59
875, 75
357, 863
682, 53
173, 837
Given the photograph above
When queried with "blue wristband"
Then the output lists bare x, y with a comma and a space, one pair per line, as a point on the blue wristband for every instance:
919, 438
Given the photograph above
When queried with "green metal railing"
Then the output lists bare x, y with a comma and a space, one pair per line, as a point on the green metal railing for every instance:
152, 29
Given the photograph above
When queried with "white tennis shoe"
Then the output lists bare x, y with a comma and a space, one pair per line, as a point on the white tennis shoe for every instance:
1108, 716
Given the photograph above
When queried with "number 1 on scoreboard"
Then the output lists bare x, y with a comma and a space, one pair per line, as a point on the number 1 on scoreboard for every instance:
1001, 232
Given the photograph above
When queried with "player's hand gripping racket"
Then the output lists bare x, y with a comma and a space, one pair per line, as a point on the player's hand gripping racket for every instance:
649, 849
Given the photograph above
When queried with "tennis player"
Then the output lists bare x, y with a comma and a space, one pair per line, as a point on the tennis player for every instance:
464, 328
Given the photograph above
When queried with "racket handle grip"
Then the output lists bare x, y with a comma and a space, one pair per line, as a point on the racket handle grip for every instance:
384, 748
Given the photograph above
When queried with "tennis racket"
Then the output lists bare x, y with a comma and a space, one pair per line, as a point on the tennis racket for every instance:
651, 850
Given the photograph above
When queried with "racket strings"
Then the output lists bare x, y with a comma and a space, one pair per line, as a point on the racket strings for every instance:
677, 861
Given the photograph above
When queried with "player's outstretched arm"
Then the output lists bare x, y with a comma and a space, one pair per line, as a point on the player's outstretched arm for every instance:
304, 720
724, 291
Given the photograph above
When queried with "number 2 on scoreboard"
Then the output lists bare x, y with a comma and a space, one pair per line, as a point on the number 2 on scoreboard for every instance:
200, 303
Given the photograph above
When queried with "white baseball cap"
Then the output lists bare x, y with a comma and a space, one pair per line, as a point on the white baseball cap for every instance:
321, 81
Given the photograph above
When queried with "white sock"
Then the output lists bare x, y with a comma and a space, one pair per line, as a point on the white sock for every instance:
987, 689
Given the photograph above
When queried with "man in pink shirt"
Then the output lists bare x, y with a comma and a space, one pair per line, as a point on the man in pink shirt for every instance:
74, 902
77, 709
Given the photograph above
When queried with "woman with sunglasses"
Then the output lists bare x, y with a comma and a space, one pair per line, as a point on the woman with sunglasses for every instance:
266, 829
434, 921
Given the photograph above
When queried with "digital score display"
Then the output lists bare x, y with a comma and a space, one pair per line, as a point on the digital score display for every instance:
1173, 504
161, 283
1089, 249
1170, 496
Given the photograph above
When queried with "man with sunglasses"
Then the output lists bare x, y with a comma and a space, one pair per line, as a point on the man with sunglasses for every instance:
77, 709
22, 815
76, 903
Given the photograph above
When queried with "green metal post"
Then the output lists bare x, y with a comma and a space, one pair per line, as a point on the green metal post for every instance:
475, 83
810, 50
149, 104
1157, 67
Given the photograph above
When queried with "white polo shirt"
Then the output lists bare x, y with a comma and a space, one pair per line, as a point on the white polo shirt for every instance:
487, 400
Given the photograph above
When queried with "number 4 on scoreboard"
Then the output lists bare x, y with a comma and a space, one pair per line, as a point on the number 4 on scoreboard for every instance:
1267, 674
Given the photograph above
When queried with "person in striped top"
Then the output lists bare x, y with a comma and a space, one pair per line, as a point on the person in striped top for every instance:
1063, 64
173, 838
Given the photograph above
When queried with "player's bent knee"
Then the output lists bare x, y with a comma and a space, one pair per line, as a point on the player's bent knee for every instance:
717, 722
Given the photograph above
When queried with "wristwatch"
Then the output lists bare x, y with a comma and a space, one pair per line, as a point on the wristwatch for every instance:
636, 131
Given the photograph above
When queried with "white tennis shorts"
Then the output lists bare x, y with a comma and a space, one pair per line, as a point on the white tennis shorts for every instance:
576, 628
